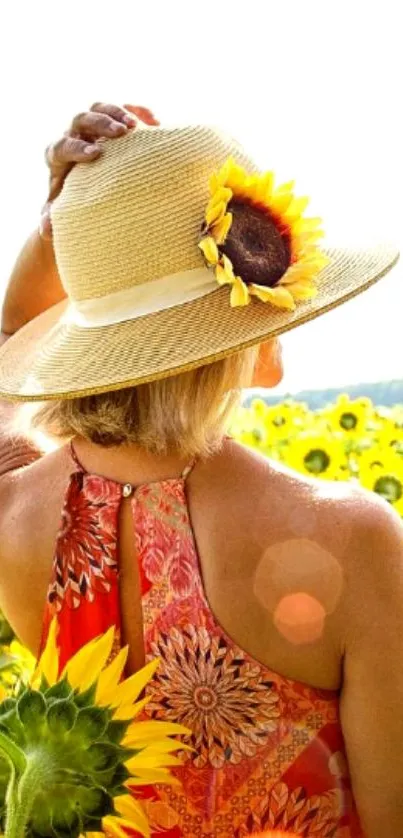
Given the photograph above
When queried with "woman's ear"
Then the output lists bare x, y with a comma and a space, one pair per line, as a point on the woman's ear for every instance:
268, 370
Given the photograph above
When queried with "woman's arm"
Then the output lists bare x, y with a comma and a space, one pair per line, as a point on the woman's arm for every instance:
371, 705
33, 287
34, 284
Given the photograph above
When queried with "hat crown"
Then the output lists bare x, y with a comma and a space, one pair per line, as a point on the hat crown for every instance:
135, 214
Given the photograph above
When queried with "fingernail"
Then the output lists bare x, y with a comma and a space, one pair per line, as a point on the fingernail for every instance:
130, 122
91, 149
117, 128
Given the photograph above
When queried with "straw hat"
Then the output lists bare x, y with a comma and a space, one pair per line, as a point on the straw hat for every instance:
146, 299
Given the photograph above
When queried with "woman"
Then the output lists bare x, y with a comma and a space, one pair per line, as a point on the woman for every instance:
274, 602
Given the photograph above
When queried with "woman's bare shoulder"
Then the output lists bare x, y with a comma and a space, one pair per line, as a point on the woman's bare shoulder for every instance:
267, 495
25, 491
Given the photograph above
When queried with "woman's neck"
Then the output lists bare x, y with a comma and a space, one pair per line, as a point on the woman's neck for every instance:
128, 463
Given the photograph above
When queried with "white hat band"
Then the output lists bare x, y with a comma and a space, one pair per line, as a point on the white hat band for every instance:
139, 300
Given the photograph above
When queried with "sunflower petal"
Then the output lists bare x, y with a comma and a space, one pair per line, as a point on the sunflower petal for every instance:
149, 776
278, 296
131, 809
309, 237
85, 666
110, 677
264, 188
222, 175
213, 183
295, 273
314, 263
296, 208
236, 178
221, 228
301, 255
225, 271
131, 688
302, 290
222, 276
228, 266
301, 271
280, 201
117, 826
239, 293
145, 759
221, 195
252, 186
168, 746
304, 225
209, 249
128, 710
48, 665
143, 732
285, 187
215, 212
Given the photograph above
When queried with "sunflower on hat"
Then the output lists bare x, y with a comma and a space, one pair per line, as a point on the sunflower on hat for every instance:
257, 240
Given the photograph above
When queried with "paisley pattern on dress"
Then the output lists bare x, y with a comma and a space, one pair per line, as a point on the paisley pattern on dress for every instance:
85, 558
163, 538
269, 751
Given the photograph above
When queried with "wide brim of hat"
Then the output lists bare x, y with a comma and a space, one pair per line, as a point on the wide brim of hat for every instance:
51, 359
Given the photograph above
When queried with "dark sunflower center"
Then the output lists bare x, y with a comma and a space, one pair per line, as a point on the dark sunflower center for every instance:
348, 421
389, 487
259, 252
317, 461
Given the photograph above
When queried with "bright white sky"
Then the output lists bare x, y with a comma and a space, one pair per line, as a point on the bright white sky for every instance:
311, 88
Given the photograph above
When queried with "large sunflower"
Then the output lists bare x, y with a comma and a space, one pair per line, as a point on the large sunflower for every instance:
317, 454
73, 751
257, 240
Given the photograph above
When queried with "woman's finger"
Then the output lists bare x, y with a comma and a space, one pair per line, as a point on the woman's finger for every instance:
115, 112
70, 150
62, 156
91, 125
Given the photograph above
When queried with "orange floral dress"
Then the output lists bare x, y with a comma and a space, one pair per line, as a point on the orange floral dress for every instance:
269, 751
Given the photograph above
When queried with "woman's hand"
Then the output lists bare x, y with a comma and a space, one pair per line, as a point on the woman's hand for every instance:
79, 145
34, 284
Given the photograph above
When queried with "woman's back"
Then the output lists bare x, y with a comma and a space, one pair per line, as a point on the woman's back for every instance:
261, 592
261, 532
226, 573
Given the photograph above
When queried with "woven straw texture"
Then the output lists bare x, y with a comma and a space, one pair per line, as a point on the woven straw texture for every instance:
132, 217
135, 214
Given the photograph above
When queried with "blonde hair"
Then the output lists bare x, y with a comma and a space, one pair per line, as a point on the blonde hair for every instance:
187, 413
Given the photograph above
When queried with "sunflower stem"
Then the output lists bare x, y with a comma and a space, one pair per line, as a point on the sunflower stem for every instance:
21, 794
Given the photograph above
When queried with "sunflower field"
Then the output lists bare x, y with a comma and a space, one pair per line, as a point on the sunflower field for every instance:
346, 440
